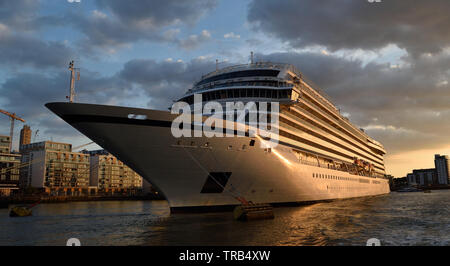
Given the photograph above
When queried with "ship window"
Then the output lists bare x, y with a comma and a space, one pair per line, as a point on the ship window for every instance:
138, 117
252, 142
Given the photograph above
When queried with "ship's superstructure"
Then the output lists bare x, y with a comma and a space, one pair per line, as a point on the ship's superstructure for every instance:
320, 154
308, 120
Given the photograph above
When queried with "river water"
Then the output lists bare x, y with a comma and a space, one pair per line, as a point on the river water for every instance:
413, 218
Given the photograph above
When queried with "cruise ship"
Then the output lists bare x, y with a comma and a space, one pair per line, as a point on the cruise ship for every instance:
320, 155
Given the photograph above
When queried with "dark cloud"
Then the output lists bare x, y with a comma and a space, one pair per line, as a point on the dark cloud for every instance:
160, 82
26, 94
118, 23
20, 45
156, 13
22, 50
418, 26
164, 81
406, 107
19, 13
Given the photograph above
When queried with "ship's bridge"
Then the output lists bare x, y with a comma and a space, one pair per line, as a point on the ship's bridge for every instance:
260, 81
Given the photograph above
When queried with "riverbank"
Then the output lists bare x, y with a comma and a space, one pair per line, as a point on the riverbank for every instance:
421, 188
4, 202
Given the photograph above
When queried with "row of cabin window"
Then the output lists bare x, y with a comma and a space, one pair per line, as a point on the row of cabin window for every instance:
241, 74
241, 93
268, 83
315, 175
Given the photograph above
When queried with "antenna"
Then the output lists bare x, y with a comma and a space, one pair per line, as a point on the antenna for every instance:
73, 72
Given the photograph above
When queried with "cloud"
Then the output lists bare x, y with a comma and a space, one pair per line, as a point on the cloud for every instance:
164, 81
19, 13
26, 93
231, 35
119, 23
194, 41
405, 108
254, 42
156, 13
417, 26
22, 50
158, 82
19, 45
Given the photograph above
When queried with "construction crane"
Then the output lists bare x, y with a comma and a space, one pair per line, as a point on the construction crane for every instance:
13, 118
35, 135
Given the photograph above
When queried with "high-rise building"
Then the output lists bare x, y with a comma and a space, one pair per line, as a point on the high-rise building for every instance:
425, 177
25, 136
442, 164
54, 167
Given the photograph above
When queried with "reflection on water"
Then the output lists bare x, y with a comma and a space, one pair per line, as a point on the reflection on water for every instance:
396, 219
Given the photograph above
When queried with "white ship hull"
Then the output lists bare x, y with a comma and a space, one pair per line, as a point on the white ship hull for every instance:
179, 168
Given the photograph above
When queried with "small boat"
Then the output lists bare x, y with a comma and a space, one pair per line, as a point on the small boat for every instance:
408, 189
20, 211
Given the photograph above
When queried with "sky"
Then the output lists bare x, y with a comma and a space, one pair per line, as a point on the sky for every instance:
385, 65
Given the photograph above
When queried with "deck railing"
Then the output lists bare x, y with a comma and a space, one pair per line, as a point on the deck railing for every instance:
348, 169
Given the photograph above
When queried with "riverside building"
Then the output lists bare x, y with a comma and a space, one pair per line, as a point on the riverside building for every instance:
9, 168
442, 164
53, 167
25, 136
440, 175
111, 175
